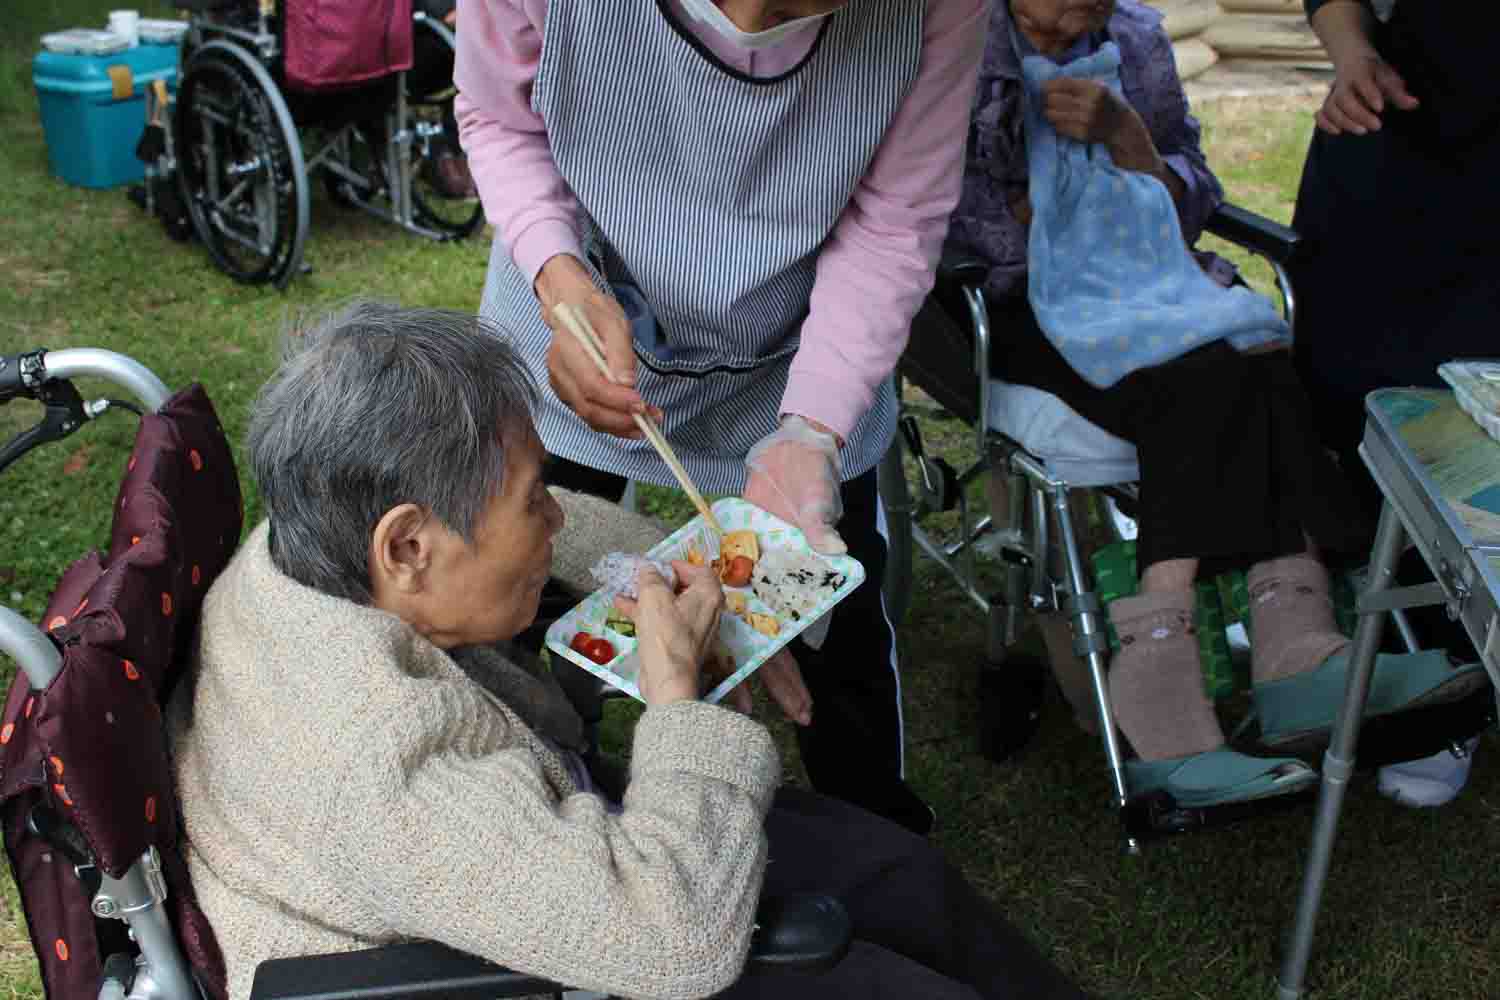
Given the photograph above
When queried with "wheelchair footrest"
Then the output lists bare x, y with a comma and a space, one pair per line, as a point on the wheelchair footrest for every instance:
1155, 815
1414, 733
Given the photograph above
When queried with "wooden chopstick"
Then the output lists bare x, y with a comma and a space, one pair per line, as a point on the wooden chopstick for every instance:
578, 324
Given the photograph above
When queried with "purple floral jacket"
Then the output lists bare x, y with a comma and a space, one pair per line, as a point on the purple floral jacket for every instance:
995, 169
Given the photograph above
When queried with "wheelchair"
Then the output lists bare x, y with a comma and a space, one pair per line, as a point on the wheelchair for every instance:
1056, 466
87, 801
247, 136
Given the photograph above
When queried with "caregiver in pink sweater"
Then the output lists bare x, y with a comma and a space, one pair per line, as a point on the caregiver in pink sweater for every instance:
747, 198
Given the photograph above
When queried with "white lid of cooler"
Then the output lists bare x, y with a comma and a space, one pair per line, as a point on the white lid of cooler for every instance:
85, 41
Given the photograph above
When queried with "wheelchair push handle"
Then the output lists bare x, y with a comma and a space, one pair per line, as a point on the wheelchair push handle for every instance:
15, 374
45, 376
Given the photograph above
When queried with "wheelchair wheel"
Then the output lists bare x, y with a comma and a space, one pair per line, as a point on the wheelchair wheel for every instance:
240, 164
430, 119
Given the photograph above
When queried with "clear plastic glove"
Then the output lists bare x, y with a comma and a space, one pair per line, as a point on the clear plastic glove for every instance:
795, 474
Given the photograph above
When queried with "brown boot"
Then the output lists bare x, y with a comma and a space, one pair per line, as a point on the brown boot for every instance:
1156, 679
1291, 618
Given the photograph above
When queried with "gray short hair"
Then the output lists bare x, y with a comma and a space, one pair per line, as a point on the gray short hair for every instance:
374, 406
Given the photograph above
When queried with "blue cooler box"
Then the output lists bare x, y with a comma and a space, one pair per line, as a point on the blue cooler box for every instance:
94, 110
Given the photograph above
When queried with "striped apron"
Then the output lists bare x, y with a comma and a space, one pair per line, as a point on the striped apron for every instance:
711, 193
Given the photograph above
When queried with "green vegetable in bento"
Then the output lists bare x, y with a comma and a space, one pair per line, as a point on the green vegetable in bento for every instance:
621, 624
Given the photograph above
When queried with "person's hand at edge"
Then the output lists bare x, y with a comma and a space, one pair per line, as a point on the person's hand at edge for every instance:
782, 678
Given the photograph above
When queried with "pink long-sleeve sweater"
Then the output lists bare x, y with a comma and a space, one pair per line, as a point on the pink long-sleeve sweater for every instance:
878, 262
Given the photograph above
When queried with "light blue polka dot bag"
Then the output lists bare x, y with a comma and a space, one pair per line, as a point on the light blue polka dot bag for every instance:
1112, 282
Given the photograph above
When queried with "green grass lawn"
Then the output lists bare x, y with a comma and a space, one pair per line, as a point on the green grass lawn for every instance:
1412, 895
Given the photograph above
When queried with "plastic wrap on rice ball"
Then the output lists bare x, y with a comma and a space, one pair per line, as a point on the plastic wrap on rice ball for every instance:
618, 572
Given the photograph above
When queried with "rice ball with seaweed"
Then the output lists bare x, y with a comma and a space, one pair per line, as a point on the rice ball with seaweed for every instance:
793, 583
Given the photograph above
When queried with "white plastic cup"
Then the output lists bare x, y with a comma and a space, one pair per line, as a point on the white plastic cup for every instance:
126, 23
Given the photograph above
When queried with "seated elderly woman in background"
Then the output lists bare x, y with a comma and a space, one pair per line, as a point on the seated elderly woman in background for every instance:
361, 761
1080, 120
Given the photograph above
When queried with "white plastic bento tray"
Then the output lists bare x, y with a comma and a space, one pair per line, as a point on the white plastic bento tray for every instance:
749, 648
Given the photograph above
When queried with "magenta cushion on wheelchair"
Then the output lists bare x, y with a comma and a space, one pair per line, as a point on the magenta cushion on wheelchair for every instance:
332, 44
92, 746
1076, 451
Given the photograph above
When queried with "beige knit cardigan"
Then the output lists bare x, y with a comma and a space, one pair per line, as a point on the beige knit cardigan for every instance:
344, 783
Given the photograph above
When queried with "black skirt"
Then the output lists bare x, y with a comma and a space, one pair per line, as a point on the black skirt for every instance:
1232, 471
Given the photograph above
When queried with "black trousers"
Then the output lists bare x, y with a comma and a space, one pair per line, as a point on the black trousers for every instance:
920, 930
854, 748
1232, 467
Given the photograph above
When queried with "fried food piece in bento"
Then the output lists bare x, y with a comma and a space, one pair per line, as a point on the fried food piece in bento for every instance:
765, 624
739, 543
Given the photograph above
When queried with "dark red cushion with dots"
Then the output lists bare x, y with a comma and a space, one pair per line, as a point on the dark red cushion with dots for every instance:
92, 745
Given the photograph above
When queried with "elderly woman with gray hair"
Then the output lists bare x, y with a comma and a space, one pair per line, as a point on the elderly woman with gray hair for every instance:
361, 759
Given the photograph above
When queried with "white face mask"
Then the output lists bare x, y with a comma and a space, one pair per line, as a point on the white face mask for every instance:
708, 12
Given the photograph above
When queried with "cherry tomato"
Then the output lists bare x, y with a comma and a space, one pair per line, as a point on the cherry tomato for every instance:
737, 574
580, 643
601, 651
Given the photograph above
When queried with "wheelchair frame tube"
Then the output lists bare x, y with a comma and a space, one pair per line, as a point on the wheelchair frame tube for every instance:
30, 648
979, 315
76, 362
1091, 633
138, 898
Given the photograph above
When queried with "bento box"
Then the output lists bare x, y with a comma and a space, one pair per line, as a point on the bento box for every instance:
785, 558
1476, 386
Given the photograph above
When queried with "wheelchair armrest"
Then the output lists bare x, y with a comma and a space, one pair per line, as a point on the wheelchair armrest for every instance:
961, 270
803, 933
417, 969
1253, 232
806, 933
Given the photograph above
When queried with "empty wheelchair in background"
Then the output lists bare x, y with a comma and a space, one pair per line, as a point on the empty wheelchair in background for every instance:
1049, 458
87, 799
269, 98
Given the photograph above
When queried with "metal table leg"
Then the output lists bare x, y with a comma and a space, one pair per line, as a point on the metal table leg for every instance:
1338, 762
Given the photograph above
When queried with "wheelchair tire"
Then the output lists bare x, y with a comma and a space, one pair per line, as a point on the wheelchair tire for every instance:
895, 500
429, 116
240, 165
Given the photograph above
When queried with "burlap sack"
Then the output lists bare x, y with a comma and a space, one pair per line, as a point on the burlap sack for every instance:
1194, 55
1257, 36
1262, 6
1186, 18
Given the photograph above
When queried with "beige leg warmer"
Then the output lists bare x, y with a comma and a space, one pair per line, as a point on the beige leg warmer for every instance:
1156, 679
1291, 618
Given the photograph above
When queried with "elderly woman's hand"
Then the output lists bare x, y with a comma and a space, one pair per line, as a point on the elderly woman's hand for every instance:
674, 633
1088, 111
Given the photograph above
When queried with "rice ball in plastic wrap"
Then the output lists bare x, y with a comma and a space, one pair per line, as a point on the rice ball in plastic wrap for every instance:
618, 571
